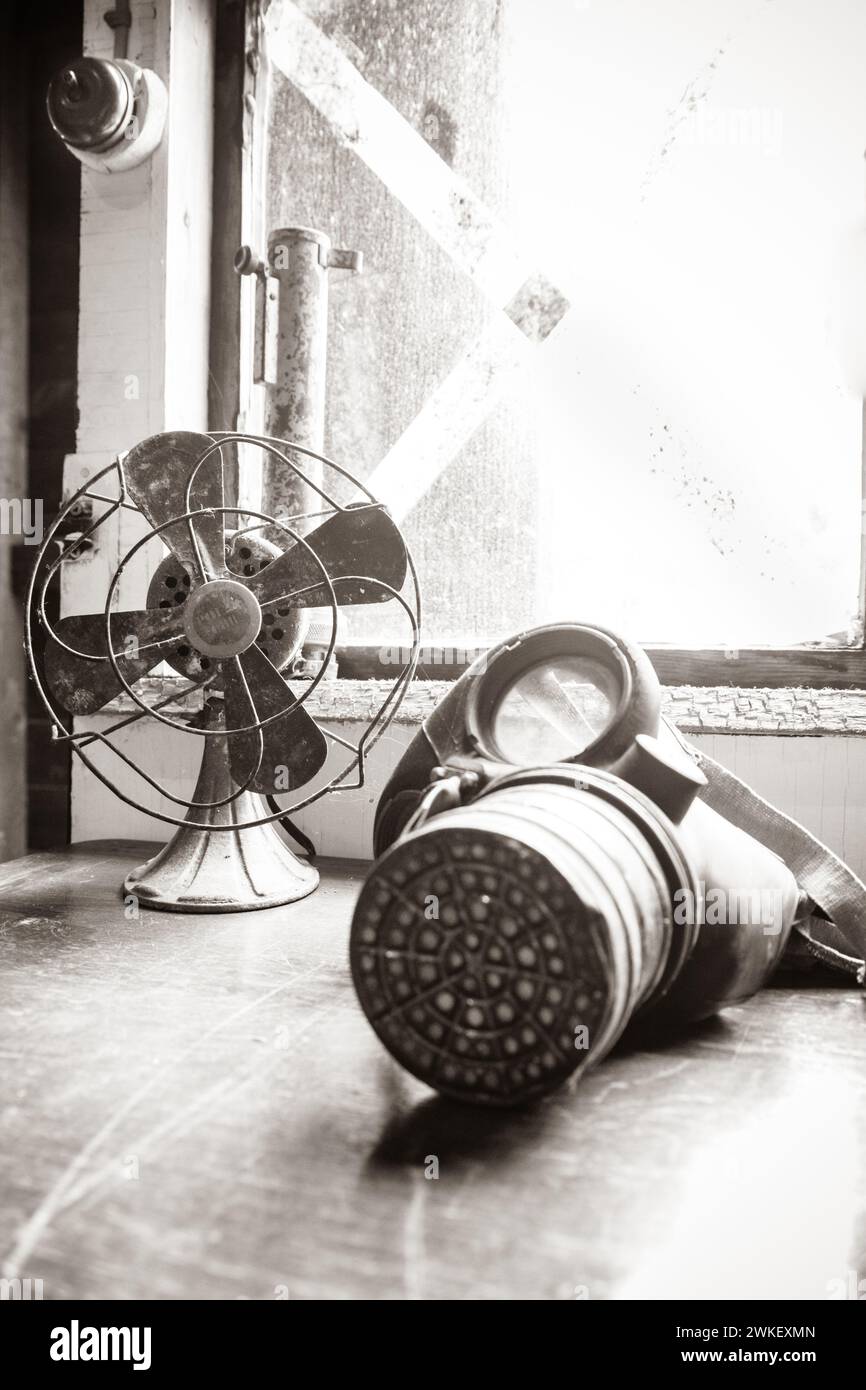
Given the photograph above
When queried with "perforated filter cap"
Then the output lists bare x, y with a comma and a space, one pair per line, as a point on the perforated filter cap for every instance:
479, 967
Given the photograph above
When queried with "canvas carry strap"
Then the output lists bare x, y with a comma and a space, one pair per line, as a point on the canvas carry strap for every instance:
837, 934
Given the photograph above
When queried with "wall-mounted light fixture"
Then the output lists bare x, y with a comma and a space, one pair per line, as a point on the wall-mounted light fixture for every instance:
109, 112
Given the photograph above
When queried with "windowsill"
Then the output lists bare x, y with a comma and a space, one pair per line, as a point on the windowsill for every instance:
695, 709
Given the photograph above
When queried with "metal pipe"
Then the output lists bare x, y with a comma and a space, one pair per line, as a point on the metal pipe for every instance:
299, 259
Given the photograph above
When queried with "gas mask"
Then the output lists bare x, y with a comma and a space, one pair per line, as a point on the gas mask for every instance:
555, 864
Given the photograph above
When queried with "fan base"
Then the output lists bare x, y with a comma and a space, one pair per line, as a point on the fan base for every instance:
225, 864
212, 871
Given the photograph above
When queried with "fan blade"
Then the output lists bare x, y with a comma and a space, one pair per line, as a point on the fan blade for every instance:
157, 472
83, 686
360, 541
294, 746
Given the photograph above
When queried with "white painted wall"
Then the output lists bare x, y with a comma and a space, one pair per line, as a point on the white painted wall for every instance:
820, 781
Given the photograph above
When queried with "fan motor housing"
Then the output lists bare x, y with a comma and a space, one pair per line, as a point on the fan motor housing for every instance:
222, 618
283, 627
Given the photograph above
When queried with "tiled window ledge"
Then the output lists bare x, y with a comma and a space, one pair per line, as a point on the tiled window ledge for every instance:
695, 709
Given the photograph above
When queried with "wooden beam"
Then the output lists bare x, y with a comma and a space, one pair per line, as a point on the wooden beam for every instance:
13, 426
230, 70
840, 668
770, 668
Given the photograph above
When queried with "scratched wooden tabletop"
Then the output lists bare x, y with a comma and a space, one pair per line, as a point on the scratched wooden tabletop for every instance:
195, 1107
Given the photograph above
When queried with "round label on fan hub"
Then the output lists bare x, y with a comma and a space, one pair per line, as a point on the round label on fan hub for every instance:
222, 618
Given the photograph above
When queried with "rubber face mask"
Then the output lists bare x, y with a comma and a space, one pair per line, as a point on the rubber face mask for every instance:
555, 864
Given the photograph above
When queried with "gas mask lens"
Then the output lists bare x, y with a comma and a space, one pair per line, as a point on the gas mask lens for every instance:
555, 710
549, 696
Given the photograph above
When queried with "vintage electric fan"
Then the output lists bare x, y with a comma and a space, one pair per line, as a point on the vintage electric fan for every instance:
226, 610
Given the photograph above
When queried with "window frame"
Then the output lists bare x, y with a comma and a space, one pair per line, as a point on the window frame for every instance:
240, 145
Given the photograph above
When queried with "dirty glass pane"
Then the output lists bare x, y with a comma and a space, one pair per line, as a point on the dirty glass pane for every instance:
676, 450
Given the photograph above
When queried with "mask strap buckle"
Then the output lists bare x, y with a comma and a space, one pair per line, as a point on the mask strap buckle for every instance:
447, 791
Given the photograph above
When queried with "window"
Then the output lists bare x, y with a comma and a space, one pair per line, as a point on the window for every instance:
597, 362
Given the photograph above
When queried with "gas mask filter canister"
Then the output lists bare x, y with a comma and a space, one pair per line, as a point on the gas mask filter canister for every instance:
544, 863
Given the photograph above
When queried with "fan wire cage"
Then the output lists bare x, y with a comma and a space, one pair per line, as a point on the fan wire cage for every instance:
227, 609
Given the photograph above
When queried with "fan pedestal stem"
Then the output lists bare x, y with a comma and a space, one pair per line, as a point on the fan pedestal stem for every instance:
222, 868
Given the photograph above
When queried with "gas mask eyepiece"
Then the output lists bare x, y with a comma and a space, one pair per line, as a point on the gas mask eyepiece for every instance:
562, 693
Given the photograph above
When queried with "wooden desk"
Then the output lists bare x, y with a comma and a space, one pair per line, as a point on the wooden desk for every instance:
195, 1107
